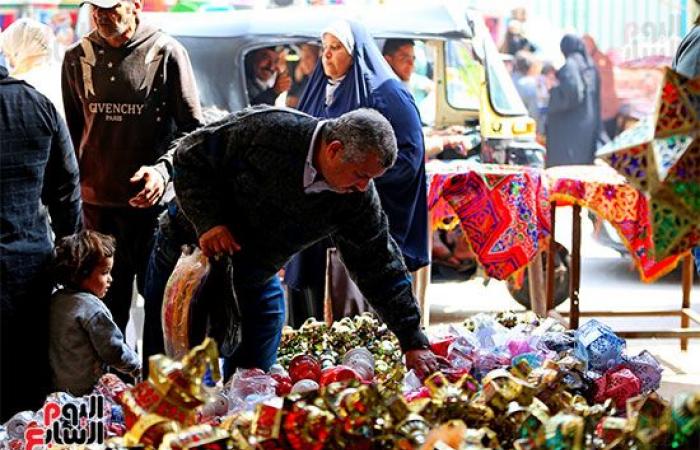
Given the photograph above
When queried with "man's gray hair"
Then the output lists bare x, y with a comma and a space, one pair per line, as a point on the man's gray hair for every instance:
362, 132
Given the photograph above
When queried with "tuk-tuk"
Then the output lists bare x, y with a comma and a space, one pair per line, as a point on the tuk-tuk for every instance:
472, 85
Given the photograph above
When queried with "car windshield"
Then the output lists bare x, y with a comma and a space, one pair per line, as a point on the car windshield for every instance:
422, 84
463, 75
504, 97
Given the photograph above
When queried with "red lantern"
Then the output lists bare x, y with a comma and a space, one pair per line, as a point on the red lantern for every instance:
304, 367
441, 346
284, 384
338, 373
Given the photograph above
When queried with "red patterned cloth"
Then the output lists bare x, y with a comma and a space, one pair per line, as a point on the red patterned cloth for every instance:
605, 192
503, 211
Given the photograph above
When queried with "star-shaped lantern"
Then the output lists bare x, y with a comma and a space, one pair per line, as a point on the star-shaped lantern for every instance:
661, 157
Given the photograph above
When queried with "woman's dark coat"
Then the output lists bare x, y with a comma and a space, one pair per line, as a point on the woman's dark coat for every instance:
573, 116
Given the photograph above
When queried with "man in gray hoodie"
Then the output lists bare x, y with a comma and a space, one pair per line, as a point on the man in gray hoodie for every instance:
128, 91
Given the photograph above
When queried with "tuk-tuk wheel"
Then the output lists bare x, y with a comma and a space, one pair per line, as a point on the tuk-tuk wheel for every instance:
562, 260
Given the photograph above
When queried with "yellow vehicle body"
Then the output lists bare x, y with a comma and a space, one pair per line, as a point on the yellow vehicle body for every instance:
493, 125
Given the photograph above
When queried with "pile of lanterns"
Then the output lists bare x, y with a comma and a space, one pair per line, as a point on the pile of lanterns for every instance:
513, 381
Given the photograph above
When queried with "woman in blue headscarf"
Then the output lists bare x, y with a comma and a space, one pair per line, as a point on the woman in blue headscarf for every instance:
354, 74
573, 116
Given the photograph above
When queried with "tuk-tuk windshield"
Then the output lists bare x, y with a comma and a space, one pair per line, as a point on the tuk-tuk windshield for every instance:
463, 75
504, 97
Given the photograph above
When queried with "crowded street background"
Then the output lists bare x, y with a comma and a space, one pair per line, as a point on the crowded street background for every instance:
384, 193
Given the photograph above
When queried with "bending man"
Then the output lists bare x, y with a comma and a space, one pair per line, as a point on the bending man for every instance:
266, 183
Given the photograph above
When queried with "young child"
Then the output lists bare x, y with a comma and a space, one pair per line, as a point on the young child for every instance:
83, 337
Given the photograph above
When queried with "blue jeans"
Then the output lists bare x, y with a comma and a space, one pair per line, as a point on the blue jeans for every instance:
262, 311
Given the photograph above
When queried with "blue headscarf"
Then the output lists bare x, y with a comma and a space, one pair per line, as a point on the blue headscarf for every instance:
371, 83
368, 71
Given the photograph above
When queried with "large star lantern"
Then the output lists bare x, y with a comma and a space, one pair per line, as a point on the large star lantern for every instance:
661, 157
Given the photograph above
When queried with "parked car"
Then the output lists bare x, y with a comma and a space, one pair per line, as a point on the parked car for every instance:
472, 91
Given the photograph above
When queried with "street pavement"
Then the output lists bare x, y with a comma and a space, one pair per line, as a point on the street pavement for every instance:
608, 282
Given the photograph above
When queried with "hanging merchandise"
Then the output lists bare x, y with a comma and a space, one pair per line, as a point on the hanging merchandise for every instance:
661, 157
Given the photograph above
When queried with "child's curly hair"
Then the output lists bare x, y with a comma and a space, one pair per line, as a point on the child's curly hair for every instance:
77, 255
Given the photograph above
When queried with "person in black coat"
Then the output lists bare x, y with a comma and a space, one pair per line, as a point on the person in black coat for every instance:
265, 183
38, 177
573, 117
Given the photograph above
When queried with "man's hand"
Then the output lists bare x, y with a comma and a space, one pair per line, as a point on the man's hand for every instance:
218, 240
136, 374
283, 82
153, 189
458, 143
424, 362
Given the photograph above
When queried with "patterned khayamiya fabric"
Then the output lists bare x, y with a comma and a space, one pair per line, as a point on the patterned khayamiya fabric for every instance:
601, 190
503, 211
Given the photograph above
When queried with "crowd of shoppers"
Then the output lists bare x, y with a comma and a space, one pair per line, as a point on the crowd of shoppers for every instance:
100, 179
97, 183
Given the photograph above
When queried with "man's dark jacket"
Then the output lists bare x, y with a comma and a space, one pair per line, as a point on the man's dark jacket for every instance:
38, 176
258, 95
246, 172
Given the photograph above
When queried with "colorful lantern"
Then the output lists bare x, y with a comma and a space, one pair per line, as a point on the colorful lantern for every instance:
661, 157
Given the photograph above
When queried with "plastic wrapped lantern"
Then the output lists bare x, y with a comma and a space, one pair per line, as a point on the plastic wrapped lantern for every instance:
599, 346
185, 283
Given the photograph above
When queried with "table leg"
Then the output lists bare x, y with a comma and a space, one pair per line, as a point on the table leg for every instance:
575, 276
551, 252
687, 286
535, 274
327, 298
421, 280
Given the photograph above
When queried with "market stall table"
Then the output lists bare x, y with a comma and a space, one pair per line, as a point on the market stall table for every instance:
502, 210
608, 194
